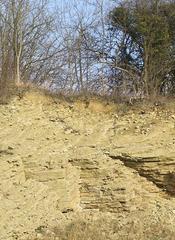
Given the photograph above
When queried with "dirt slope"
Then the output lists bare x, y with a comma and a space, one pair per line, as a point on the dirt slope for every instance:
62, 160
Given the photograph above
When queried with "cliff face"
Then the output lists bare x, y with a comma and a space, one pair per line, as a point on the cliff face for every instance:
60, 160
159, 170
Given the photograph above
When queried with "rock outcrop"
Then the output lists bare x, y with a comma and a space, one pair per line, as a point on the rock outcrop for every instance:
159, 170
59, 160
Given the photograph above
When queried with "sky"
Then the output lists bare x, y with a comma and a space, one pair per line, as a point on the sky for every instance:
87, 9
81, 3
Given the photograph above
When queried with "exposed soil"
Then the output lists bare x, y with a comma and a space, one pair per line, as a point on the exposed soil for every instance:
62, 162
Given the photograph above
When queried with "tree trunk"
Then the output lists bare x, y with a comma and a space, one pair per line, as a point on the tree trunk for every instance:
17, 70
146, 71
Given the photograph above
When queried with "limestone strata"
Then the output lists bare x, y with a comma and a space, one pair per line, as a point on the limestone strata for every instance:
62, 160
110, 188
159, 170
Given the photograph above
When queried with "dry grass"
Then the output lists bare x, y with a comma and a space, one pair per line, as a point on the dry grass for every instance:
103, 230
123, 104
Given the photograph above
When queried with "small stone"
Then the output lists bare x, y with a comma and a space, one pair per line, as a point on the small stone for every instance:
39, 236
52, 120
67, 210
142, 112
10, 148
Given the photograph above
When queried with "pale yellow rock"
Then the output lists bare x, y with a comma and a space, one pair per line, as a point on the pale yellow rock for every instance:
60, 161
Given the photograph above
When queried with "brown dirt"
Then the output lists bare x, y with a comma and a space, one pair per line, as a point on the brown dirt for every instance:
86, 169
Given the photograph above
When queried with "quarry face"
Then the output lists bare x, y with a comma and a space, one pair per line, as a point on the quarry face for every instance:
61, 162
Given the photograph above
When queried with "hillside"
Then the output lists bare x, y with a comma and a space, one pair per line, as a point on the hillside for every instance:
86, 169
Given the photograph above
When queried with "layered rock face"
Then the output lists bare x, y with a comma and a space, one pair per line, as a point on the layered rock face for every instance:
60, 160
159, 170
